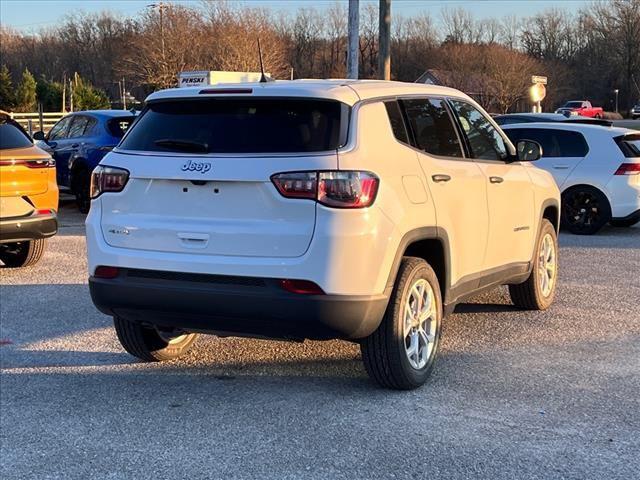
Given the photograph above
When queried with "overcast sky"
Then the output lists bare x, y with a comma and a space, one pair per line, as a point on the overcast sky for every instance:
31, 15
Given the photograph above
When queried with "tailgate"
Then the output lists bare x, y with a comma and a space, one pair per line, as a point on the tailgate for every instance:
21, 172
209, 205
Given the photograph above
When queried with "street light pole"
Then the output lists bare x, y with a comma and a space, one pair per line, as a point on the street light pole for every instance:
616, 91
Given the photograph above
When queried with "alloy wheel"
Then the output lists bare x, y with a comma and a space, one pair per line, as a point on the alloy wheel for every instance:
547, 265
420, 322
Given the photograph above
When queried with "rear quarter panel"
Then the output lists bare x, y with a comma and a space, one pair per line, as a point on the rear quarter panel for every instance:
403, 196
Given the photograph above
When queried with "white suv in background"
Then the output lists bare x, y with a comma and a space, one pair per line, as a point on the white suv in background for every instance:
359, 210
596, 168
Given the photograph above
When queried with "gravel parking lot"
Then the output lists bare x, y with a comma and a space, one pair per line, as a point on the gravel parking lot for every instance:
515, 395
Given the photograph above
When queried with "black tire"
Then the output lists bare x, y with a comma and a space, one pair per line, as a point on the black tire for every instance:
149, 343
82, 190
22, 254
624, 223
585, 210
530, 295
384, 352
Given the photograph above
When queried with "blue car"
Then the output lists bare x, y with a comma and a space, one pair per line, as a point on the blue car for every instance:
78, 142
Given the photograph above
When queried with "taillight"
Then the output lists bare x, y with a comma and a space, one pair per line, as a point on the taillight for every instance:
107, 179
297, 184
337, 189
106, 272
41, 163
628, 169
301, 287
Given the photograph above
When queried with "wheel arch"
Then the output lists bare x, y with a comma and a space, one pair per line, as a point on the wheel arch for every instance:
551, 211
600, 188
432, 245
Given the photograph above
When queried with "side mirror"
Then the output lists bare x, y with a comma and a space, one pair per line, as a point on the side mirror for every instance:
39, 136
528, 151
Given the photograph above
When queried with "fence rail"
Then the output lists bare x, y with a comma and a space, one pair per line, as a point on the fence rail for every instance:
32, 122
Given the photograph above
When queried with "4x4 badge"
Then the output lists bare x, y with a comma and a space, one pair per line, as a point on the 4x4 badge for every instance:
191, 166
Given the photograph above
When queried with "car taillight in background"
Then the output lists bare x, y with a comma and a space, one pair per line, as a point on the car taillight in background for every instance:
628, 169
108, 179
337, 189
45, 162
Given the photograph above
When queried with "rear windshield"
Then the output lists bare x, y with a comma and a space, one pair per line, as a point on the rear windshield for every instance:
117, 126
573, 104
232, 125
12, 136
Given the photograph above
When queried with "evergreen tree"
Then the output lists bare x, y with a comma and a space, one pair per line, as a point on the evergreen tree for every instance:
7, 99
49, 94
26, 93
87, 97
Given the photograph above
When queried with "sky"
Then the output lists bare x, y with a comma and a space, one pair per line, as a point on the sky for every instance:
31, 15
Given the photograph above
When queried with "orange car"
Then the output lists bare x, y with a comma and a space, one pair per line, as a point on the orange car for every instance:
28, 196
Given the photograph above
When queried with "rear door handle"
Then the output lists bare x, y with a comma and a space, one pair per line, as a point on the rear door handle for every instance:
561, 167
496, 179
440, 178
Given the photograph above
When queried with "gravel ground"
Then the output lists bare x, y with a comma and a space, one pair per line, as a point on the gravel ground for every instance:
514, 395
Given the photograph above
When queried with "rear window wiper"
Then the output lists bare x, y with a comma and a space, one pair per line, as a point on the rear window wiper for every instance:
184, 145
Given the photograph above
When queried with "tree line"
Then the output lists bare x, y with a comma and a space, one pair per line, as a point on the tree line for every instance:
586, 54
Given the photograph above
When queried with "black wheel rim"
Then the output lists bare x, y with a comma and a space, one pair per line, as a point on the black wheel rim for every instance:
583, 210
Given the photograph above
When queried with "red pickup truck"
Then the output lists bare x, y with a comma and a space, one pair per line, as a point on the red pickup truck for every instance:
581, 107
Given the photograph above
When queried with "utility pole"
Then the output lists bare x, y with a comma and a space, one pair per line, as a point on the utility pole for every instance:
354, 39
384, 41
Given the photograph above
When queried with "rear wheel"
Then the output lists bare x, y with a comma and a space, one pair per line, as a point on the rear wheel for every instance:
22, 254
401, 353
585, 210
537, 292
152, 344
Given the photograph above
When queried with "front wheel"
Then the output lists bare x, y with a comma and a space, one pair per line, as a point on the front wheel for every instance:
401, 353
152, 344
22, 254
585, 210
537, 292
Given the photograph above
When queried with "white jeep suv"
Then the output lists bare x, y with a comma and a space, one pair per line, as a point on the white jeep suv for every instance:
359, 210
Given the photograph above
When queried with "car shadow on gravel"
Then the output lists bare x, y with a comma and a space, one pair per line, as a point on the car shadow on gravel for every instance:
608, 237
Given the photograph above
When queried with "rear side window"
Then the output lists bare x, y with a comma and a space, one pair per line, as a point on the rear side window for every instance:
396, 121
555, 143
12, 135
117, 126
232, 125
432, 128
629, 144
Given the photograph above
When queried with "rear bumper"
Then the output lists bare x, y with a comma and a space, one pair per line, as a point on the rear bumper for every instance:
28, 228
234, 306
